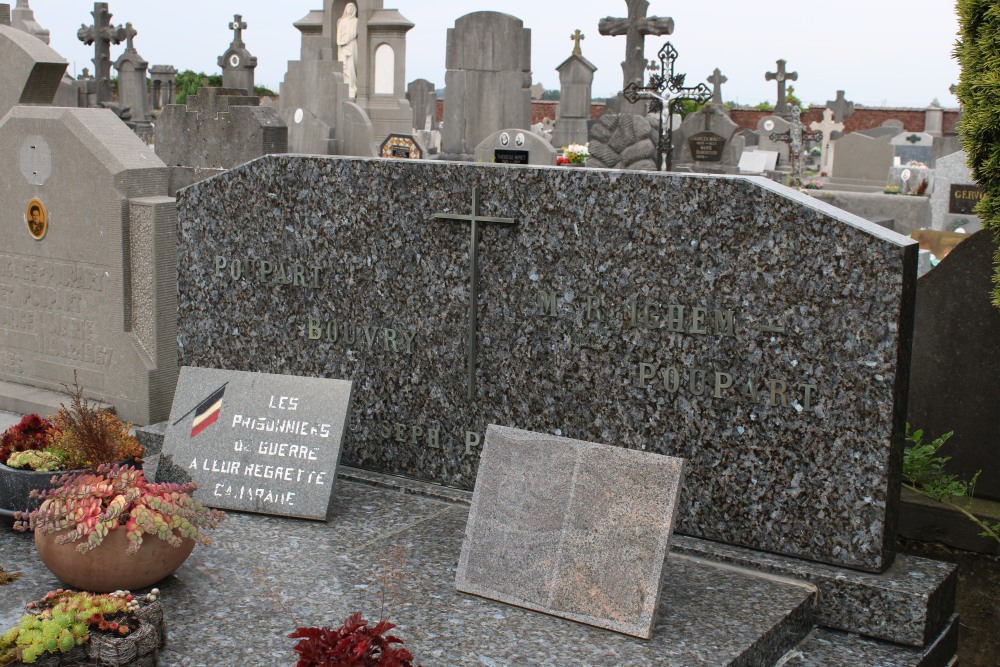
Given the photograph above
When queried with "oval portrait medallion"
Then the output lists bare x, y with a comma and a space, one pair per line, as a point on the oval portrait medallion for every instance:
37, 219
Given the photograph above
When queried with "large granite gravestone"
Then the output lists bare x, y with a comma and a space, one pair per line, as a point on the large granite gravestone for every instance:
767, 126
857, 157
31, 71
513, 146
707, 140
570, 528
752, 330
256, 442
93, 290
913, 147
956, 346
488, 80
955, 195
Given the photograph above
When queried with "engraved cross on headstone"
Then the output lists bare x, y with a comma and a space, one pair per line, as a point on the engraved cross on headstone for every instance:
102, 35
781, 76
635, 28
717, 79
475, 219
237, 25
576, 37
913, 138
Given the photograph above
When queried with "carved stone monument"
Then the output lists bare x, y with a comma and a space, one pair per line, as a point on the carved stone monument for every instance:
23, 18
636, 27
133, 91
782, 76
576, 76
102, 34
237, 63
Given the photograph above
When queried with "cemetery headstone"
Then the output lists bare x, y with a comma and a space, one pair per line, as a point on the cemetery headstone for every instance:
487, 82
163, 79
256, 442
422, 95
23, 18
102, 34
219, 128
781, 76
858, 157
401, 146
708, 139
570, 528
559, 301
934, 119
513, 146
956, 345
133, 91
890, 128
635, 27
31, 70
913, 147
750, 137
576, 78
767, 126
92, 295
828, 128
911, 179
237, 63
955, 195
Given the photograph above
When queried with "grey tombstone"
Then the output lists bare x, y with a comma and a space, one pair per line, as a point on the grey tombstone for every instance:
561, 301
237, 63
857, 157
934, 119
31, 71
133, 91
256, 442
102, 34
767, 126
576, 78
94, 296
708, 139
911, 180
889, 128
163, 81
570, 528
488, 80
23, 18
956, 347
913, 146
955, 195
750, 137
423, 100
514, 146
219, 128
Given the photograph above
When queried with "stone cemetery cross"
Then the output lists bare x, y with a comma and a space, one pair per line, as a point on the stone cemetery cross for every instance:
660, 83
238, 25
102, 35
827, 128
841, 107
576, 37
717, 79
635, 28
796, 136
475, 219
781, 76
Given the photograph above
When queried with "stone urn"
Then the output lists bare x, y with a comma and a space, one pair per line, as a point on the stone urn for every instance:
109, 567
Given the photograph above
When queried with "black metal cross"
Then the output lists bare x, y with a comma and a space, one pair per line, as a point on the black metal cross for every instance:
795, 137
781, 76
474, 219
666, 88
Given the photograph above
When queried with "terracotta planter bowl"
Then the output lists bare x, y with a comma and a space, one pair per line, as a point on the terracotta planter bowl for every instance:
108, 568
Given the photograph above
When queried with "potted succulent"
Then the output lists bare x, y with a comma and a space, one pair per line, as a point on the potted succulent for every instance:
80, 436
70, 627
90, 528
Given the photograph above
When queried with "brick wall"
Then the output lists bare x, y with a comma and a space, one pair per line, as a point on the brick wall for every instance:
540, 109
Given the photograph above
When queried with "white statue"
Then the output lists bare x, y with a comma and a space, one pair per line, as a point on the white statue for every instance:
347, 47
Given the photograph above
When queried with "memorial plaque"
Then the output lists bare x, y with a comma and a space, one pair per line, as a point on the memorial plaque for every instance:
509, 156
605, 306
574, 529
401, 146
707, 147
963, 198
256, 442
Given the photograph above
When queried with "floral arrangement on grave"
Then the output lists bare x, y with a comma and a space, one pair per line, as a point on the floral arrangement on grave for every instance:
87, 505
916, 164
79, 436
64, 620
891, 190
574, 154
812, 185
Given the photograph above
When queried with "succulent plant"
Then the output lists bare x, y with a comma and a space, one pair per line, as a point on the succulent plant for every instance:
32, 433
42, 461
87, 505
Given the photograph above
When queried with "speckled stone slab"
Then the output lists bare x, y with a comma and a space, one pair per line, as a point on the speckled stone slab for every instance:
759, 334
574, 529
256, 442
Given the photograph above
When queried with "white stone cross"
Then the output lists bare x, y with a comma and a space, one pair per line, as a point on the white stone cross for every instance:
827, 127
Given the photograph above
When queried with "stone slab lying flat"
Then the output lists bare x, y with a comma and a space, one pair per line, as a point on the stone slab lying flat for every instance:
257, 442
907, 604
570, 528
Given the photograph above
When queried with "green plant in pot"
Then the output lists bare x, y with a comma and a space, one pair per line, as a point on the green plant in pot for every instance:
77, 437
92, 528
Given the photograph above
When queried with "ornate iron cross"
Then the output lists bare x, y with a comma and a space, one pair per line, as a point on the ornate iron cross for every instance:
795, 137
666, 88
474, 219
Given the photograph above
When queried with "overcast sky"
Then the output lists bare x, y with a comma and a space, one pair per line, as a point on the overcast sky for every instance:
881, 52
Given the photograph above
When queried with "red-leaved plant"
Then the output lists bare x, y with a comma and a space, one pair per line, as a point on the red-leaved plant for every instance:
354, 644
32, 433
